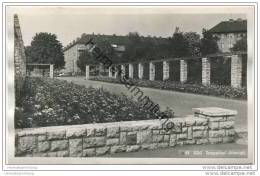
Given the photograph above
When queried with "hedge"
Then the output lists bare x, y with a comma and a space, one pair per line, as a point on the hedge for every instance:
212, 90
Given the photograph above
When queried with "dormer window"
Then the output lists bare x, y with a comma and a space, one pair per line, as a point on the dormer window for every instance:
114, 45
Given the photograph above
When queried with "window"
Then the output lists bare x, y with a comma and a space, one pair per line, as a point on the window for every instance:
222, 45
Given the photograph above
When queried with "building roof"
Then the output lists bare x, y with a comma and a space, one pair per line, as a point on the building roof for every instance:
231, 26
112, 39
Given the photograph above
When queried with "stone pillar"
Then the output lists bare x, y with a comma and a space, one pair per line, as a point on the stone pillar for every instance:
87, 72
122, 71
19, 52
236, 71
166, 70
205, 71
110, 72
131, 71
140, 71
220, 124
151, 71
184, 71
51, 71
116, 72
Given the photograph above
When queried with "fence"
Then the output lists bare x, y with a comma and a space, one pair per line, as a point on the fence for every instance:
207, 70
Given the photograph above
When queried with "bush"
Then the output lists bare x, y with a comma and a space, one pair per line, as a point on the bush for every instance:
50, 102
213, 90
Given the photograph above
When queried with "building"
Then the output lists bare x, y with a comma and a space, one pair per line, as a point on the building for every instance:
74, 49
229, 32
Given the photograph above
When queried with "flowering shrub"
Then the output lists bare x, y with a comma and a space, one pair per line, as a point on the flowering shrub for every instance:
50, 102
214, 90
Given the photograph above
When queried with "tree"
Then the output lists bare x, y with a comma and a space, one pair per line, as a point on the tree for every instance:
208, 43
45, 49
179, 44
241, 45
193, 40
90, 57
85, 58
133, 47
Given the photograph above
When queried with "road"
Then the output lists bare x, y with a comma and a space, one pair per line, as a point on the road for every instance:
181, 103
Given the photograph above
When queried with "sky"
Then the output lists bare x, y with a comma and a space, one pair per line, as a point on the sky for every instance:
68, 23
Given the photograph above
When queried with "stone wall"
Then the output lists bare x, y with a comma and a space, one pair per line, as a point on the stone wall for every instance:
207, 125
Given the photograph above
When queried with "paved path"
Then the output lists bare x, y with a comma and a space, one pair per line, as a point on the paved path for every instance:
181, 103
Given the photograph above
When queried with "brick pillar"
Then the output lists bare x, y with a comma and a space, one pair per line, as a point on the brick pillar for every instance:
151, 71
183, 70
87, 72
236, 71
205, 71
110, 72
140, 71
51, 71
131, 71
166, 69
220, 123
122, 70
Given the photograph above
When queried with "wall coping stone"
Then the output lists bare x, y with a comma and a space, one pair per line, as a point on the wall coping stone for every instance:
214, 111
123, 124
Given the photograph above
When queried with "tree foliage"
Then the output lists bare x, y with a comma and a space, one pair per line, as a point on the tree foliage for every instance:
46, 49
139, 48
179, 45
208, 43
241, 45
193, 40
90, 57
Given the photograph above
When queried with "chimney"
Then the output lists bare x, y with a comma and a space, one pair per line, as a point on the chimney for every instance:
231, 20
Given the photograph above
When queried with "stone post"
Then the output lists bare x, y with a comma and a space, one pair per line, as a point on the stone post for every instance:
116, 72
51, 71
205, 71
131, 71
140, 71
236, 71
87, 72
110, 72
166, 69
220, 123
183, 70
19, 53
151, 71
122, 71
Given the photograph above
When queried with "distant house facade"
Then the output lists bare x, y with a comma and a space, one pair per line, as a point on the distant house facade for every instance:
229, 32
74, 49
71, 55
118, 43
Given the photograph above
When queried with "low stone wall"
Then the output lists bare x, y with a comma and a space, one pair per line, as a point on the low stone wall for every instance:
207, 125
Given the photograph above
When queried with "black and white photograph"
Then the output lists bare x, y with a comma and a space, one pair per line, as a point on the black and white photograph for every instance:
129, 84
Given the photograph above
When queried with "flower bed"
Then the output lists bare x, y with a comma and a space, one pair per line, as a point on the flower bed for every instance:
214, 90
51, 102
